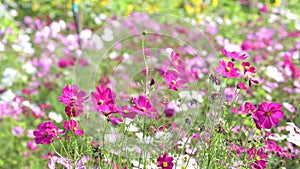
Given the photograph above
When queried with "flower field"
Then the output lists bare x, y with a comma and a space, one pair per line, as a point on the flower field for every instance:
194, 84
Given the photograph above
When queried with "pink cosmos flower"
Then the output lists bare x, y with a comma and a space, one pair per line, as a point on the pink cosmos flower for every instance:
45, 133
259, 156
32, 146
248, 68
102, 98
240, 110
74, 111
18, 130
237, 149
165, 162
227, 70
172, 79
72, 126
143, 107
72, 96
249, 107
177, 62
234, 55
60, 160
268, 115
280, 152
125, 112
114, 120
242, 86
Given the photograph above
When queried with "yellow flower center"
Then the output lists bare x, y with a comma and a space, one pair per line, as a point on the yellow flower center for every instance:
257, 158
143, 109
176, 63
183, 167
268, 114
228, 68
165, 164
173, 82
100, 102
74, 128
74, 98
125, 111
247, 67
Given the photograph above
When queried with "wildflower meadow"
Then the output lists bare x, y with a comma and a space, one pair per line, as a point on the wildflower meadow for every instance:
132, 84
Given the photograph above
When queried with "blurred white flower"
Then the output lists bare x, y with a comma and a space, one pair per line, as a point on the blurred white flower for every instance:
185, 161
56, 117
2, 48
294, 136
9, 76
277, 137
274, 73
29, 68
23, 45
7, 96
113, 55
86, 34
62, 24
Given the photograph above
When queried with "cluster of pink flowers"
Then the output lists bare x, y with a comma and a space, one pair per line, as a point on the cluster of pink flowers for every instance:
74, 99
228, 69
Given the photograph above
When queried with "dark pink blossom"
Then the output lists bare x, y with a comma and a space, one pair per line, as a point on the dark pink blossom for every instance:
103, 98
45, 133
268, 115
74, 111
234, 55
172, 79
227, 69
259, 157
278, 150
143, 107
114, 120
177, 62
72, 96
237, 149
72, 126
165, 162
248, 68
242, 86
125, 112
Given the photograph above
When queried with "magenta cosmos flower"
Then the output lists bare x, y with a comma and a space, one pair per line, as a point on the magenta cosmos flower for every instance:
227, 69
102, 98
259, 156
73, 99
242, 86
165, 162
268, 115
125, 112
234, 55
143, 107
45, 133
177, 62
172, 79
72, 95
72, 126
248, 68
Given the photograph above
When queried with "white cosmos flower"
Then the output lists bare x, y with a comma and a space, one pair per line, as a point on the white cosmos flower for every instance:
29, 68
294, 136
274, 73
9, 75
56, 117
7, 96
